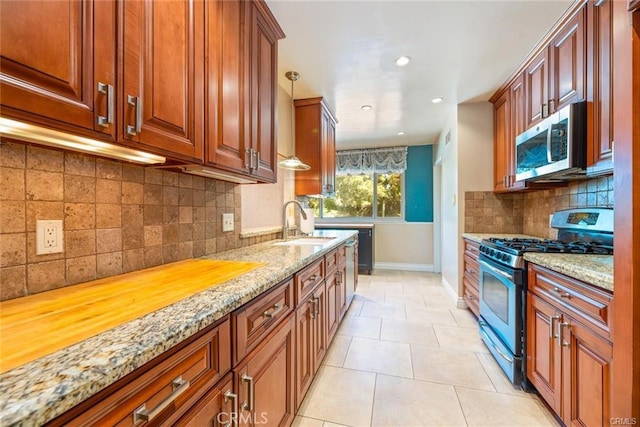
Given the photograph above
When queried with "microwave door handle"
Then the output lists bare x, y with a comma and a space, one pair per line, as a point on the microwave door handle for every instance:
549, 133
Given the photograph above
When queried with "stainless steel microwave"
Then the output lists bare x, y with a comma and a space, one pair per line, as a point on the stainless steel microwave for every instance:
556, 148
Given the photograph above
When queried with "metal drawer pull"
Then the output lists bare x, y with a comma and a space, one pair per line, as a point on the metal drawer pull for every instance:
562, 295
248, 406
504, 356
142, 414
229, 395
107, 90
313, 278
135, 102
274, 310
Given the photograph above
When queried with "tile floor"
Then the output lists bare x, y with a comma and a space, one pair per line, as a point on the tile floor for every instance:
406, 356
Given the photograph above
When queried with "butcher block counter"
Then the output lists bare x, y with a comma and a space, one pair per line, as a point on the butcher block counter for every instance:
61, 347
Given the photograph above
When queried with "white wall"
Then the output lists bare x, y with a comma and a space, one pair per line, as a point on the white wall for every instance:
467, 165
262, 203
405, 246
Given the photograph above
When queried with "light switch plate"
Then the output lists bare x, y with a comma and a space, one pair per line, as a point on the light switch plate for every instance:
227, 222
49, 237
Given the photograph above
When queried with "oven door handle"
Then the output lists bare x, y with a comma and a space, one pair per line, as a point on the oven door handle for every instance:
495, 270
495, 347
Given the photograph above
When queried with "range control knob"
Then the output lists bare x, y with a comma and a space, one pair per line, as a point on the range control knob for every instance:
507, 258
492, 252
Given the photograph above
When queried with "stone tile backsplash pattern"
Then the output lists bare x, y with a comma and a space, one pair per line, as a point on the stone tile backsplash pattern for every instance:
486, 212
118, 217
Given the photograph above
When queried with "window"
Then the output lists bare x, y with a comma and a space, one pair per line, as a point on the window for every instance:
357, 197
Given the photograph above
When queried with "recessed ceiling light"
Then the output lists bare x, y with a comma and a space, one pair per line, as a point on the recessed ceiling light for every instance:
402, 61
366, 107
437, 100
400, 133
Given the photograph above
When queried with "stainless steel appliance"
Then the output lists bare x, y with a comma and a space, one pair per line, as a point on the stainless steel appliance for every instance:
351, 270
503, 280
556, 148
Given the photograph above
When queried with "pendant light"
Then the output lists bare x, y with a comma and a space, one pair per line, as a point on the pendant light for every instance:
292, 162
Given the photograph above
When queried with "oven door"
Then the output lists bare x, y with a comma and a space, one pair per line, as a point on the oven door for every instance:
501, 303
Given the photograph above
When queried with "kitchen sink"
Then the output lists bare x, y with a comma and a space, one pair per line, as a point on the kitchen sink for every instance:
306, 241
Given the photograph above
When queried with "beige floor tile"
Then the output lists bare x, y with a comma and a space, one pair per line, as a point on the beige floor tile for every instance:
386, 287
383, 311
367, 295
338, 350
498, 377
354, 308
464, 317
452, 367
404, 402
441, 316
456, 337
333, 425
382, 357
440, 300
306, 422
340, 396
408, 331
422, 289
356, 326
483, 408
404, 299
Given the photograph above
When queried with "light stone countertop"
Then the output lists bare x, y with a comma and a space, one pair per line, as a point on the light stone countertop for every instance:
37, 392
596, 270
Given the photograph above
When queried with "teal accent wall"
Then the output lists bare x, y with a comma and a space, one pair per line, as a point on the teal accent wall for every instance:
418, 184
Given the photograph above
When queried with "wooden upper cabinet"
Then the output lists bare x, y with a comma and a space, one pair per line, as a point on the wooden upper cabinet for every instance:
242, 57
161, 101
567, 64
518, 125
501, 141
226, 86
60, 72
600, 83
315, 146
537, 88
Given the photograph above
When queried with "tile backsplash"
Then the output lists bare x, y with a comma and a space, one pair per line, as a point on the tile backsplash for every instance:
118, 217
488, 212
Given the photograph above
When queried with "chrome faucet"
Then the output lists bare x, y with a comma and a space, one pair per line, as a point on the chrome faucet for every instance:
285, 228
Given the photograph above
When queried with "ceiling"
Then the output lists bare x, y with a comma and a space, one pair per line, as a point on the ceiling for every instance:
462, 51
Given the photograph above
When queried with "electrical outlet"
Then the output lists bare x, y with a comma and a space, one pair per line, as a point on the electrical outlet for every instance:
49, 238
227, 222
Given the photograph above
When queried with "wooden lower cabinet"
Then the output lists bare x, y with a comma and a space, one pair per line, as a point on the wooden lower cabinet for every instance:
471, 276
264, 380
568, 355
311, 340
334, 304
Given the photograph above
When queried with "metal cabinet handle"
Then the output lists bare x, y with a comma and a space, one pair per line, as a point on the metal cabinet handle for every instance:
559, 336
229, 395
257, 156
269, 314
339, 277
135, 102
552, 106
314, 307
108, 91
543, 111
247, 160
142, 414
249, 406
552, 320
562, 294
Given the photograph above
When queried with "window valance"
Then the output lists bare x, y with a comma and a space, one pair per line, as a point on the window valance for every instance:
370, 160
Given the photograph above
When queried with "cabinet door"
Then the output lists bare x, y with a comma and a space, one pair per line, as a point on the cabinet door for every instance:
161, 102
305, 329
518, 125
567, 64
341, 276
265, 380
586, 366
501, 140
537, 89
216, 408
265, 33
334, 296
328, 154
600, 83
226, 86
54, 55
319, 329
543, 352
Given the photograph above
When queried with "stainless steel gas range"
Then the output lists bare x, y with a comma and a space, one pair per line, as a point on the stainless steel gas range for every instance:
503, 280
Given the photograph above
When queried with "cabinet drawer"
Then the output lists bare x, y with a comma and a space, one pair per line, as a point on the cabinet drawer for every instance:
581, 299
254, 320
471, 268
472, 249
331, 261
181, 377
470, 295
307, 279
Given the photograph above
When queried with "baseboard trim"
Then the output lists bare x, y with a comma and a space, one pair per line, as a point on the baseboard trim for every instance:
402, 266
458, 301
